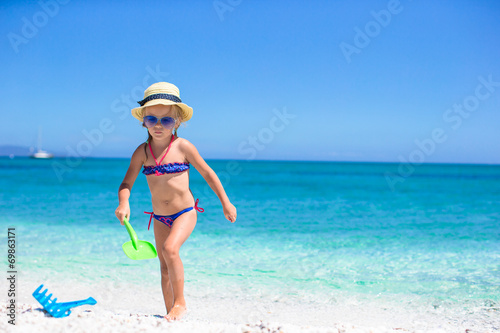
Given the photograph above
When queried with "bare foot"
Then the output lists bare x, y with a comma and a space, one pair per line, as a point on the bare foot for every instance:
176, 313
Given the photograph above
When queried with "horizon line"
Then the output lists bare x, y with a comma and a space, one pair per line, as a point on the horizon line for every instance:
266, 160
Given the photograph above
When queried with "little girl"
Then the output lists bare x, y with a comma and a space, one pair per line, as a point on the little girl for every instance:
166, 159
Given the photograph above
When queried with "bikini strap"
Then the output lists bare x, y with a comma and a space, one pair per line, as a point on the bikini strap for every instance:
150, 218
151, 150
199, 209
169, 145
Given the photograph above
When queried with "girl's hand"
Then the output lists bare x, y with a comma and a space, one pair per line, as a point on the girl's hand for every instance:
123, 211
230, 212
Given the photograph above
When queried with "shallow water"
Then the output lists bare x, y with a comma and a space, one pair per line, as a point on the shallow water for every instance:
331, 234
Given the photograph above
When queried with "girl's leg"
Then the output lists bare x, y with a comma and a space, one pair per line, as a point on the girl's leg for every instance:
161, 234
182, 228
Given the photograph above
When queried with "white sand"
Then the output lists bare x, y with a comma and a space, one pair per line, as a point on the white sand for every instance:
132, 308
31, 318
94, 319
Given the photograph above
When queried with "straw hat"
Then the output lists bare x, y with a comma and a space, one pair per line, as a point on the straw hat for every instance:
162, 93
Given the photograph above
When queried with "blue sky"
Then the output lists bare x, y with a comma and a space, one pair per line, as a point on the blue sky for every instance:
287, 80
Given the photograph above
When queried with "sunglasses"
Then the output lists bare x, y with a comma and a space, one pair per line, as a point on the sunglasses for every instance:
151, 121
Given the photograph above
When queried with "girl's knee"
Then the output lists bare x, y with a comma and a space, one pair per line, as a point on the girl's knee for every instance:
170, 251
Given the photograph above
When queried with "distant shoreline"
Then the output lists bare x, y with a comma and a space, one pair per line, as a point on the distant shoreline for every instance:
59, 157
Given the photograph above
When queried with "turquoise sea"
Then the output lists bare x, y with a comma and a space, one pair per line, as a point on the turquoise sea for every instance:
320, 233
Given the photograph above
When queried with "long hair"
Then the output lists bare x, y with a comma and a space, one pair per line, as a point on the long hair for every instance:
150, 138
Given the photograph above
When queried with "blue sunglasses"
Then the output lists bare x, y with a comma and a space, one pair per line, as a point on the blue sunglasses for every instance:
151, 121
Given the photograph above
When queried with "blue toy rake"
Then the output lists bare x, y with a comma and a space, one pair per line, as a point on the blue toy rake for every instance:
58, 310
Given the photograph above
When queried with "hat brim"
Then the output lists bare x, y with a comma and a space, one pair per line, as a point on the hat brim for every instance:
186, 111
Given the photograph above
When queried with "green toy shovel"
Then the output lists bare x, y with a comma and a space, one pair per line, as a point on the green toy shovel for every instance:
137, 249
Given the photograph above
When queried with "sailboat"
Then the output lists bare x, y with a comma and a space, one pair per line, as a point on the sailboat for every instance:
39, 152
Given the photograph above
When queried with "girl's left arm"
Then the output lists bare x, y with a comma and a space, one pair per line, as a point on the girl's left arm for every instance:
210, 177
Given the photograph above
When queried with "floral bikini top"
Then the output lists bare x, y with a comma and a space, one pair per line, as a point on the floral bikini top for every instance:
161, 169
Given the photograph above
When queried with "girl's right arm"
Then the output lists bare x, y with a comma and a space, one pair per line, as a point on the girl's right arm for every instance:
134, 168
